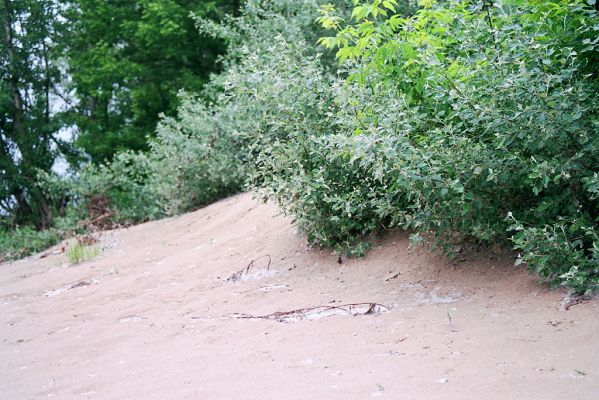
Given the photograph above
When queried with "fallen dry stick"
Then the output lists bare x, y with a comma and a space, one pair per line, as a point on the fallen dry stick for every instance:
59, 251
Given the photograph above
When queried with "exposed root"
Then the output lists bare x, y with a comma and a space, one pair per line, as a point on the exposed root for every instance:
99, 222
237, 275
353, 309
572, 299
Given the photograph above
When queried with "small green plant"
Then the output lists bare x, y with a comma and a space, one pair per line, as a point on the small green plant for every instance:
79, 252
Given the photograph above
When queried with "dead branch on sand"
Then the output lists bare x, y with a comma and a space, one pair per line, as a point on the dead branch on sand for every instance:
50, 253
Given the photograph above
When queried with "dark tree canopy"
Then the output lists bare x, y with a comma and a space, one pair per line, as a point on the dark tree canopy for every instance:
128, 60
106, 69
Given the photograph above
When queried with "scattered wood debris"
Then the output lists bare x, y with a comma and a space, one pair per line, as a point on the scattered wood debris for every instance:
86, 240
267, 288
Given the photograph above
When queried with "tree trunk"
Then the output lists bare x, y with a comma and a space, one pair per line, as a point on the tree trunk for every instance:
19, 127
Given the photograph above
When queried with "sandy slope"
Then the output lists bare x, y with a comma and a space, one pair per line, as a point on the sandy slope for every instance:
143, 320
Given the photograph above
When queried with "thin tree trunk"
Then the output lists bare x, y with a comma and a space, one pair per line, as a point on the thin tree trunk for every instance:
18, 131
29, 198
14, 79
46, 81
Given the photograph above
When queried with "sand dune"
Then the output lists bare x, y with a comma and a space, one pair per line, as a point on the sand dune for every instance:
161, 314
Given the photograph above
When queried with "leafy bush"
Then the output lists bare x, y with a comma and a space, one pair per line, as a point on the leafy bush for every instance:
203, 154
119, 188
206, 152
449, 120
566, 252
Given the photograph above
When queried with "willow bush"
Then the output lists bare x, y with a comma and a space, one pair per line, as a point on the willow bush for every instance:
475, 120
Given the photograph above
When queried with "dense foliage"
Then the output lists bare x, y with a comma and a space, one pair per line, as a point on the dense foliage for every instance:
207, 150
477, 119
83, 79
128, 59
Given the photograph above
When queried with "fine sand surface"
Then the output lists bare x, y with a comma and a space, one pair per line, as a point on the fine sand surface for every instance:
154, 317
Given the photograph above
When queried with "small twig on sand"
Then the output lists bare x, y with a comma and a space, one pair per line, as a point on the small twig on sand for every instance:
237, 275
265, 287
80, 284
450, 323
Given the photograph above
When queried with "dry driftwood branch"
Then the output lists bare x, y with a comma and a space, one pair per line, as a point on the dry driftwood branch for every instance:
237, 275
98, 219
50, 253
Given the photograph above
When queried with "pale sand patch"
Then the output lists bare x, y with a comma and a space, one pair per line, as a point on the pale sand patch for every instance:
144, 320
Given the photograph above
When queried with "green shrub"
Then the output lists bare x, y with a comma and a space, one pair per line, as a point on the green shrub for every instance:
566, 252
119, 188
448, 121
204, 153
195, 159
22, 241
